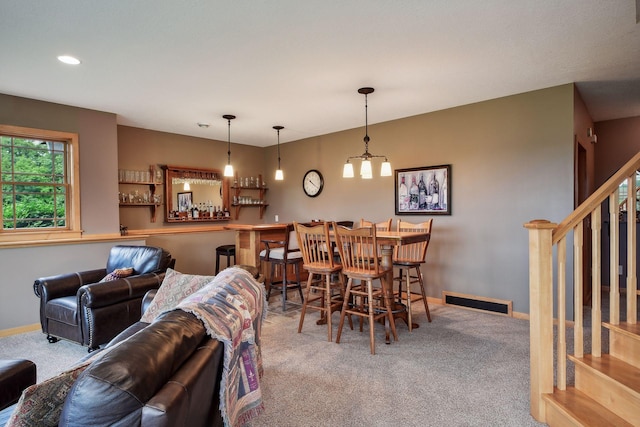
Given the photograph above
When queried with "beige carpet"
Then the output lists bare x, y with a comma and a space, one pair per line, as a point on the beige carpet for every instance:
463, 369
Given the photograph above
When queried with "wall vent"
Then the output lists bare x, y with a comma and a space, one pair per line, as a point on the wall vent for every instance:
472, 302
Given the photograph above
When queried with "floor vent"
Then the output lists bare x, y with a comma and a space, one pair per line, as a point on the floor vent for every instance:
472, 302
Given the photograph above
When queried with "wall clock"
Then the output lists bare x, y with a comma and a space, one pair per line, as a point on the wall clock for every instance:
312, 183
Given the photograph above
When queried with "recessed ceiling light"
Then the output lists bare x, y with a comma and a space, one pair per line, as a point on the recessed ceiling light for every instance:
68, 60
203, 125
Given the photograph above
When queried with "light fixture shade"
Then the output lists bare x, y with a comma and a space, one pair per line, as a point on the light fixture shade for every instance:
385, 169
228, 170
187, 187
279, 175
347, 170
365, 169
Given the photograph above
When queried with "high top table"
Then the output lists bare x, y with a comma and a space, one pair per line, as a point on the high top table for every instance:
248, 237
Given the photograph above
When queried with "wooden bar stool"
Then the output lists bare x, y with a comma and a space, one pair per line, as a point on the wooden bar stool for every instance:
283, 253
411, 257
359, 255
228, 251
319, 262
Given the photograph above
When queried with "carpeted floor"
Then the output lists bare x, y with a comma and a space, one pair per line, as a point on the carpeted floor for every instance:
463, 369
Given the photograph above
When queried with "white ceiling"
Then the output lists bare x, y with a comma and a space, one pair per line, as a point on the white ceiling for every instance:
168, 64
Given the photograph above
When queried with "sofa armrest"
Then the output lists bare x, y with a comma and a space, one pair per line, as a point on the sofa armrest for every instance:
64, 285
148, 297
108, 293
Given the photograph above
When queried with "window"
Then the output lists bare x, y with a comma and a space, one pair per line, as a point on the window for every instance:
40, 192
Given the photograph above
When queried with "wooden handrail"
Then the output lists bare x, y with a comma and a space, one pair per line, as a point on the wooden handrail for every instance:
593, 201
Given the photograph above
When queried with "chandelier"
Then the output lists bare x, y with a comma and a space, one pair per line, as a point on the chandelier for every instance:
365, 165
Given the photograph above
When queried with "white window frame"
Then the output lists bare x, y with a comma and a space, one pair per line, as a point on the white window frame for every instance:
73, 229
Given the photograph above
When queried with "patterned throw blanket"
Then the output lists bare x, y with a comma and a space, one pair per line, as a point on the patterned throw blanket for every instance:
232, 308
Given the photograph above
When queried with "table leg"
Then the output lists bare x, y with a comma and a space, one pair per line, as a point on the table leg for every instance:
387, 284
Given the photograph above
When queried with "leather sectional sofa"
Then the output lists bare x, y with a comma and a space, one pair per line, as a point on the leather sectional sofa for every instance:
166, 373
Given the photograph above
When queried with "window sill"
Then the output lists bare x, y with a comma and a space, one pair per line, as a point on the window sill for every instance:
67, 240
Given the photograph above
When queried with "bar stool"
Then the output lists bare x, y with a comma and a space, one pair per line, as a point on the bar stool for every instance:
228, 251
314, 241
411, 257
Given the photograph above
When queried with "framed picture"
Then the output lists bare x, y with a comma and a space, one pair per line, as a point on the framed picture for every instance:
184, 201
423, 191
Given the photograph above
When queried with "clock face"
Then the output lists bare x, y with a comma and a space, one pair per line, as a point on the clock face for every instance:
312, 183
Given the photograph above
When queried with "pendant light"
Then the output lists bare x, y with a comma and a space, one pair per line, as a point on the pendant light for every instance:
228, 169
365, 165
279, 173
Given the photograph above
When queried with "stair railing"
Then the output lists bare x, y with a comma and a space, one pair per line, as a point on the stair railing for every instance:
543, 237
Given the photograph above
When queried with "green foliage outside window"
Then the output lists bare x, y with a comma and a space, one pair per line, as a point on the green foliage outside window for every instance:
34, 183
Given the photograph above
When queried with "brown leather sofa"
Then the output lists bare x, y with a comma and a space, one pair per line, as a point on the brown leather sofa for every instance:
77, 307
166, 373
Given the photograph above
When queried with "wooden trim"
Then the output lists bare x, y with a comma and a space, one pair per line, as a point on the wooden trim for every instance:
19, 330
91, 238
177, 230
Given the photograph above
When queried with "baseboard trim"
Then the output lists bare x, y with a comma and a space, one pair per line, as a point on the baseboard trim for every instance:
19, 330
477, 303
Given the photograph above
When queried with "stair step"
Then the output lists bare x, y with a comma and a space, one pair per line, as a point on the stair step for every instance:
571, 407
611, 382
624, 342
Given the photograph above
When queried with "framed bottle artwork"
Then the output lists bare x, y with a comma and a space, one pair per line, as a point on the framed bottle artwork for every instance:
423, 191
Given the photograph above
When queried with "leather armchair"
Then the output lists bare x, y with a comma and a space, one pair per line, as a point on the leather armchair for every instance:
77, 307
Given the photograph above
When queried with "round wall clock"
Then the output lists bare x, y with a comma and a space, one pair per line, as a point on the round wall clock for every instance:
312, 183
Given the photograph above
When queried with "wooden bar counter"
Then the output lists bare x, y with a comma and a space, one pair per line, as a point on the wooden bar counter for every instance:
248, 238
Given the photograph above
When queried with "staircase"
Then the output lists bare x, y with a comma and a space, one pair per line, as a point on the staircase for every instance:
605, 390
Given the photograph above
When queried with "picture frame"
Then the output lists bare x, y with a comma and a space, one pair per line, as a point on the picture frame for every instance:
185, 199
431, 197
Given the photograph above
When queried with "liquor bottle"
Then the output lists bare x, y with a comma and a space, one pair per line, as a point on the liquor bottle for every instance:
403, 195
414, 194
196, 213
422, 194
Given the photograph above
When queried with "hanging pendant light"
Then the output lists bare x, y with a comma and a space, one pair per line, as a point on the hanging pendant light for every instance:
365, 167
228, 169
279, 173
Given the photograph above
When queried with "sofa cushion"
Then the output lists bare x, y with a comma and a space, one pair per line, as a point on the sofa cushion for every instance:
118, 273
41, 404
63, 309
132, 372
143, 259
174, 288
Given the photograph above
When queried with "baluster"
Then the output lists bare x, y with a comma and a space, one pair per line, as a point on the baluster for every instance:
632, 284
596, 281
578, 260
614, 258
561, 381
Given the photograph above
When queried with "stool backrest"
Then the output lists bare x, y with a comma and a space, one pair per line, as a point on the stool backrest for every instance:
358, 249
315, 244
414, 252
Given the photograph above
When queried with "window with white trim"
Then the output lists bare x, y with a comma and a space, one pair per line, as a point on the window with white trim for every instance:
38, 177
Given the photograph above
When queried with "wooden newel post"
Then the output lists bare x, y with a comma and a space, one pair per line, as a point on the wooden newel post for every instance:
540, 313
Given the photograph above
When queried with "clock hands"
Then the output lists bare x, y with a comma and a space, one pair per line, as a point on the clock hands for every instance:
311, 182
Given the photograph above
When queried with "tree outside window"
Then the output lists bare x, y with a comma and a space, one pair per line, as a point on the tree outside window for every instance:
38, 173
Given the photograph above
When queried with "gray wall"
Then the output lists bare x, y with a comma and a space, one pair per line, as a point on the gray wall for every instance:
512, 161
